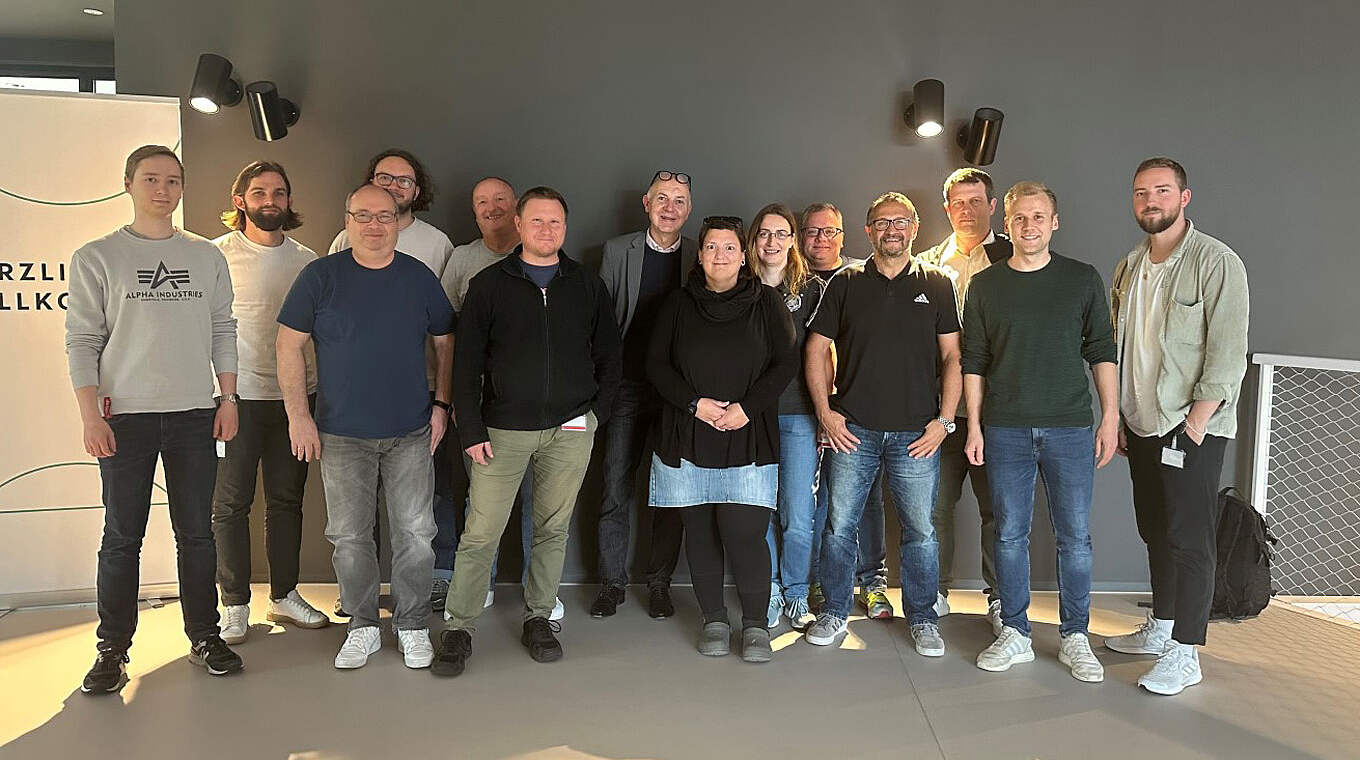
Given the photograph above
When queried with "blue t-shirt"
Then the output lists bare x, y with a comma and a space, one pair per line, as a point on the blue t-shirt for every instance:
369, 328
540, 276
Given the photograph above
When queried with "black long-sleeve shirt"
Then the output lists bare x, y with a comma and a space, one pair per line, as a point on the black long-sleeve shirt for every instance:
735, 346
527, 358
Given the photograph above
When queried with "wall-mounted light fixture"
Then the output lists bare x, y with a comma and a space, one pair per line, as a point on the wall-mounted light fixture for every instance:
979, 138
270, 115
213, 86
926, 112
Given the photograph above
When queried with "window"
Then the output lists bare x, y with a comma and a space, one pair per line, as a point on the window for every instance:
59, 84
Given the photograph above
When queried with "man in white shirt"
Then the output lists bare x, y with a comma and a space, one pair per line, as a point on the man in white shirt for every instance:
969, 201
263, 264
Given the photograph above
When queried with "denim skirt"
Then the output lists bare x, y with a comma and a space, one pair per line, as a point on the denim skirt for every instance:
689, 485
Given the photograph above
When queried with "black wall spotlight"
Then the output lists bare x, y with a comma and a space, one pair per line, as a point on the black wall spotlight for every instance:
926, 112
270, 115
213, 86
979, 139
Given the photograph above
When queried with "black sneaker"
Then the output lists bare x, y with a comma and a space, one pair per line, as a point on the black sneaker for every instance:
607, 603
538, 636
214, 654
659, 603
340, 611
108, 673
455, 647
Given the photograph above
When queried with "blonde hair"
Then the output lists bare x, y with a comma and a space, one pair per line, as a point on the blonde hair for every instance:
796, 270
1027, 188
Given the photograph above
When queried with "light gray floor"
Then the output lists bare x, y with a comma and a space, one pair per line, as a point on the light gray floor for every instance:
1282, 686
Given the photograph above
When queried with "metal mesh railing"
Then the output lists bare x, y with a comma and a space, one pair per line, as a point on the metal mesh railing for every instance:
1310, 489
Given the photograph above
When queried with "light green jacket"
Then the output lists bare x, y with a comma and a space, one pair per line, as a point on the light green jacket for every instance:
1204, 338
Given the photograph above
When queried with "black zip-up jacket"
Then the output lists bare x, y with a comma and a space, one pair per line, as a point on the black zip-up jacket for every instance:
526, 359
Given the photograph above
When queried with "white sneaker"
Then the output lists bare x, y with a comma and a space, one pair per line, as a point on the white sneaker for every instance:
994, 616
490, 598
359, 644
559, 611
294, 609
1010, 648
1150, 638
235, 623
1076, 654
928, 641
826, 629
415, 645
1177, 668
941, 605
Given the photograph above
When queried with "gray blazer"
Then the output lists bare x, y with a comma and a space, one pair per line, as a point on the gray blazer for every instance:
621, 270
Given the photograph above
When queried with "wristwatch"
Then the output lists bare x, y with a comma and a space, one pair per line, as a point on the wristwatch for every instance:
949, 425
229, 397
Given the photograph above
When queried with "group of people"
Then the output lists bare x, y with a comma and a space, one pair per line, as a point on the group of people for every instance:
768, 386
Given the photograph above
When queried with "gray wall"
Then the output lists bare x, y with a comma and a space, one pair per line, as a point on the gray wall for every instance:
800, 101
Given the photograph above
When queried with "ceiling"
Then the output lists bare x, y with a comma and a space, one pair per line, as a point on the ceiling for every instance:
56, 19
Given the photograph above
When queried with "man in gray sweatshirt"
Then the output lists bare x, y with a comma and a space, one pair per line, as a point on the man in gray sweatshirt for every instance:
148, 323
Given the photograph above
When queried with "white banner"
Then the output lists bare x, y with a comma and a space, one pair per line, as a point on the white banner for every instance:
61, 186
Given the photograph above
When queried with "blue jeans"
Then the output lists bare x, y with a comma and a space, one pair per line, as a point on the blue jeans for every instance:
850, 476
1065, 459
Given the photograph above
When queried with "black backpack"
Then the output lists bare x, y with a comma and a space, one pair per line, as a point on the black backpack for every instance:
1242, 576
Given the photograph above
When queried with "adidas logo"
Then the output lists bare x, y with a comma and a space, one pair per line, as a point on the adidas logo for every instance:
922, 299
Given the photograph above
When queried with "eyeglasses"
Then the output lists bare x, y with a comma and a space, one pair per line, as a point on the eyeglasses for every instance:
383, 179
897, 224
665, 176
827, 233
780, 235
364, 217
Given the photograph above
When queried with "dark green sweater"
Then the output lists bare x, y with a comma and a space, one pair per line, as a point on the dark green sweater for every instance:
1030, 335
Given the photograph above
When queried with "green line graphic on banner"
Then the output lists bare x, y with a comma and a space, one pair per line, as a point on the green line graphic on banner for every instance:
57, 465
42, 202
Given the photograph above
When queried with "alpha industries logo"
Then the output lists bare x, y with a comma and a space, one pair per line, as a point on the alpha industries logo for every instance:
156, 279
161, 275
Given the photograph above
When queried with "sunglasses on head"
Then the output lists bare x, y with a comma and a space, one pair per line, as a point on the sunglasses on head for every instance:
665, 176
724, 220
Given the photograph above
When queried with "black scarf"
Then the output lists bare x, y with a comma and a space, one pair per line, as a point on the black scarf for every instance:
727, 306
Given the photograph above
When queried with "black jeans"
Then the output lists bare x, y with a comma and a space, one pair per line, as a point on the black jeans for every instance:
1177, 511
628, 443
183, 441
450, 500
737, 531
954, 468
261, 443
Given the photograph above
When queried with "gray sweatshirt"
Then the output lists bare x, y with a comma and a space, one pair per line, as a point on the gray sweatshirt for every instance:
149, 321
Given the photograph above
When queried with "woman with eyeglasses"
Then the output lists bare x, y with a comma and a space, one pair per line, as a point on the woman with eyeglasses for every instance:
721, 354
773, 256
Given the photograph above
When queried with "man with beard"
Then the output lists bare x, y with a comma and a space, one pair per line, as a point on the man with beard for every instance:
897, 386
263, 264
969, 201
640, 269
823, 237
1180, 312
493, 206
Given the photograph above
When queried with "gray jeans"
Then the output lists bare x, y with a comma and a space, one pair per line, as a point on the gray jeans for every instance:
349, 472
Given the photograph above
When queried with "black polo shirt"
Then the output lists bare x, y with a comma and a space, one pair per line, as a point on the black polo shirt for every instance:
887, 353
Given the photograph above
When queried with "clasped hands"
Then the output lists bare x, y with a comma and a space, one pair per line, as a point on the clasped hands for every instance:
721, 415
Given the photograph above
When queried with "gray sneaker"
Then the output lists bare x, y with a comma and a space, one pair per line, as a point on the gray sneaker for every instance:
826, 629
755, 645
715, 640
796, 610
929, 642
439, 591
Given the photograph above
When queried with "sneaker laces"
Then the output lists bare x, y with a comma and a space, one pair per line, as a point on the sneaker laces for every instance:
214, 646
552, 625
237, 614
110, 659
355, 639
926, 629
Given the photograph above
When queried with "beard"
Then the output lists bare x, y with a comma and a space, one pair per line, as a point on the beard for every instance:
892, 250
266, 221
1160, 224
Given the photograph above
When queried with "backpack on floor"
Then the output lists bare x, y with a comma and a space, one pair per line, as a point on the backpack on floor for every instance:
1242, 576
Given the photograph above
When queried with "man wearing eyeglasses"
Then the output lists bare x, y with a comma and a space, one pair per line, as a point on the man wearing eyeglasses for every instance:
823, 236
402, 175
368, 310
893, 321
969, 201
639, 270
